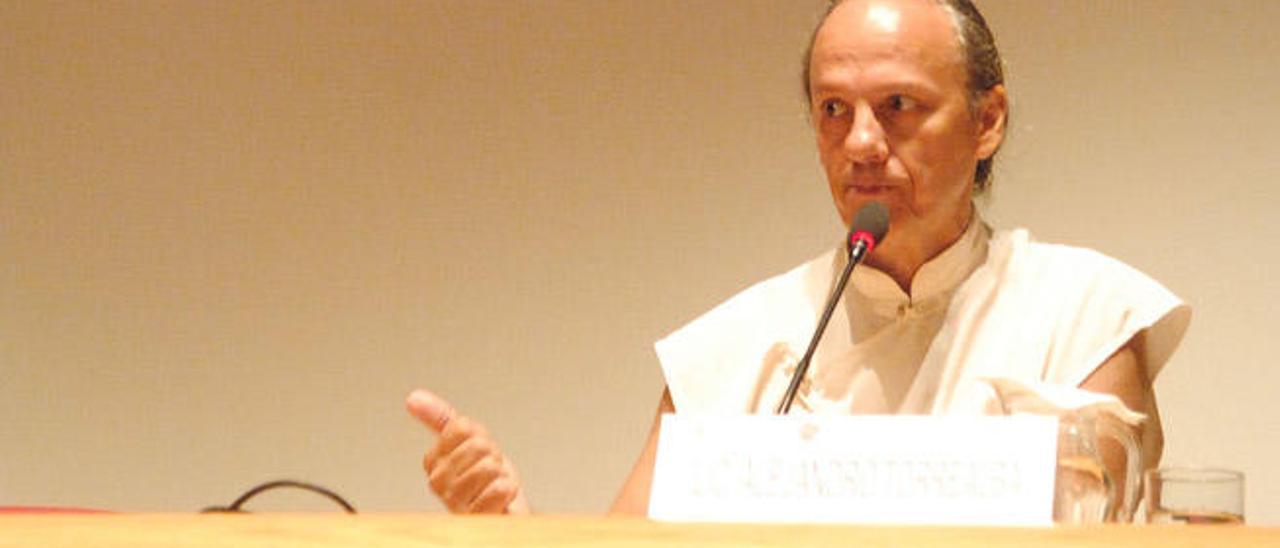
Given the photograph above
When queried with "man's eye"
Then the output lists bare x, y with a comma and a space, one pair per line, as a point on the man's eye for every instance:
834, 109
901, 103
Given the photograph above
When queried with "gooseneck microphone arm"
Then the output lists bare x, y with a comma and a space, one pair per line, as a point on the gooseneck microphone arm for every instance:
802, 368
869, 227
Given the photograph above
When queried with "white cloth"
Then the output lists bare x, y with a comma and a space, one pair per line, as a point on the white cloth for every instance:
990, 306
1037, 398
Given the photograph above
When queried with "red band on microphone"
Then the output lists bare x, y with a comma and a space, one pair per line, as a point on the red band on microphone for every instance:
866, 237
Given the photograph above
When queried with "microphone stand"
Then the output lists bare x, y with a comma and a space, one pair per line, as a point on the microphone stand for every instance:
857, 249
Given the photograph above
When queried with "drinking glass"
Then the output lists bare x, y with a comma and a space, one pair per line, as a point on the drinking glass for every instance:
1195, 496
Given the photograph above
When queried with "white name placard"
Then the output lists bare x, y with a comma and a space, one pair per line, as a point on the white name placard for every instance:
856, 469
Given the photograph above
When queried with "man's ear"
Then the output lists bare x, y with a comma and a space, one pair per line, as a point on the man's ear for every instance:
992, 113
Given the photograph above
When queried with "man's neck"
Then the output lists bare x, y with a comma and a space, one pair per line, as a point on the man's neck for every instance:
900, 267
902, 263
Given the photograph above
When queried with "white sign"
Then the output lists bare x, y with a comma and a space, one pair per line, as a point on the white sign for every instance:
856, 469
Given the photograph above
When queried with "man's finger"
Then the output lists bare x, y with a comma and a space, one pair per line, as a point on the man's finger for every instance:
467, 485
429, 409
495, 498
450, 451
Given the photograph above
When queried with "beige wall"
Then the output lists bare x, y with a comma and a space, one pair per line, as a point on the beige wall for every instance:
233, 235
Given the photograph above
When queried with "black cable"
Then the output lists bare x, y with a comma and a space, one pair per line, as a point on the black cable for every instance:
235, 506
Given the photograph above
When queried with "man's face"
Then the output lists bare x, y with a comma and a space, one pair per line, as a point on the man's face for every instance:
890, 108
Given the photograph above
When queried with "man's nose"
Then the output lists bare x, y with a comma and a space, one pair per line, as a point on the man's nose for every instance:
866, 143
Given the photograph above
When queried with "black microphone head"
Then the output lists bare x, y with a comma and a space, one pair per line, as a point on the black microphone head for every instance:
871, 221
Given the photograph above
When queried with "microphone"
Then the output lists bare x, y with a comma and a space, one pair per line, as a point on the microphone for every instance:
869, 227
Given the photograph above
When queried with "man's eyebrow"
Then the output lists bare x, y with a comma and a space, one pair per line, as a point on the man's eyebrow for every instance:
907, 85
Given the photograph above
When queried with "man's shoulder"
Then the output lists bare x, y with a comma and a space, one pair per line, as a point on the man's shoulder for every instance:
1087, 302
1023, 255
1060, 279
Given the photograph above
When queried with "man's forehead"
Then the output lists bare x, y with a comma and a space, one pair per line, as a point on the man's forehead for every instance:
885, 18
886, 27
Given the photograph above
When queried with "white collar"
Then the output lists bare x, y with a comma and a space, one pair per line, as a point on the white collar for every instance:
939, 276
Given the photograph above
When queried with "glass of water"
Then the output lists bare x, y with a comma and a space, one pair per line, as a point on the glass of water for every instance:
1195, 496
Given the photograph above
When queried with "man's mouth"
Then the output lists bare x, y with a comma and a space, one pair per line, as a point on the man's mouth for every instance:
870, 189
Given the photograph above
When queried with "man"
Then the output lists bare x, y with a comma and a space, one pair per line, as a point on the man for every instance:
908, 106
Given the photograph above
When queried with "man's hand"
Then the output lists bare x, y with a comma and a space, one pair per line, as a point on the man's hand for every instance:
465, 468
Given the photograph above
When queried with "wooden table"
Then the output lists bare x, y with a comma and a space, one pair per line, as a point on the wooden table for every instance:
250, 530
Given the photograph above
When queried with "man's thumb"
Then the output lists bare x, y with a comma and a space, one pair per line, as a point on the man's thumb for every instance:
429, 409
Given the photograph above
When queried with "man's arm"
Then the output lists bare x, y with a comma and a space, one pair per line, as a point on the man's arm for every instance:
1124, 375
633, 499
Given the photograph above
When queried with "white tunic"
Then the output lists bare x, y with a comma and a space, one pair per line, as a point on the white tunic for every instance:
991, 305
